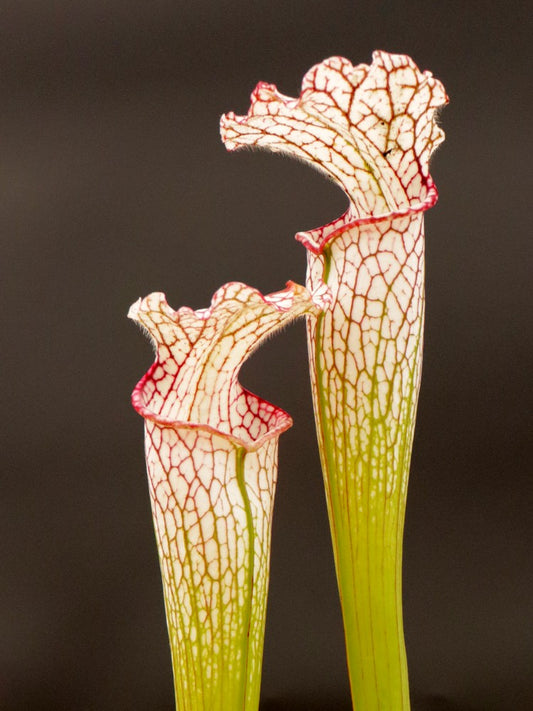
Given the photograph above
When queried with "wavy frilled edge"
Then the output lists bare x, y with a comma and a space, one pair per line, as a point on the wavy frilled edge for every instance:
193, 383
370, 128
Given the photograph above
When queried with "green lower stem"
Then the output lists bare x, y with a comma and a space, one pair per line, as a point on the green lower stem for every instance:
369, 575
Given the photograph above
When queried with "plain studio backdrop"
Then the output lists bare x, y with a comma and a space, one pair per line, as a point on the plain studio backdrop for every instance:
113, 184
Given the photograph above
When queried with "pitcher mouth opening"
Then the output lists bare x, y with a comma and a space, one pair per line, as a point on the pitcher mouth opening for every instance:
267, 421
317, 239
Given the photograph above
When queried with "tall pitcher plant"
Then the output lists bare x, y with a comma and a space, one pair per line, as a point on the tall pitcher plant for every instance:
372, 129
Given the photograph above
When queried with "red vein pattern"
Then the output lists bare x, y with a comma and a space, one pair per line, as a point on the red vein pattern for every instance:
211, 452
372, 129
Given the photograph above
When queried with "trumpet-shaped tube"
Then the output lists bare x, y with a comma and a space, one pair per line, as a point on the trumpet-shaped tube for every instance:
371, 129
211, 453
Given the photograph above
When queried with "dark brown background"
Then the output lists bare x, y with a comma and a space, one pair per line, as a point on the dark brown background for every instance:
114, 183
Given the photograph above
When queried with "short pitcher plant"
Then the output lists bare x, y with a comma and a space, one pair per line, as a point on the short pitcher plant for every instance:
372, 129
211, 453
